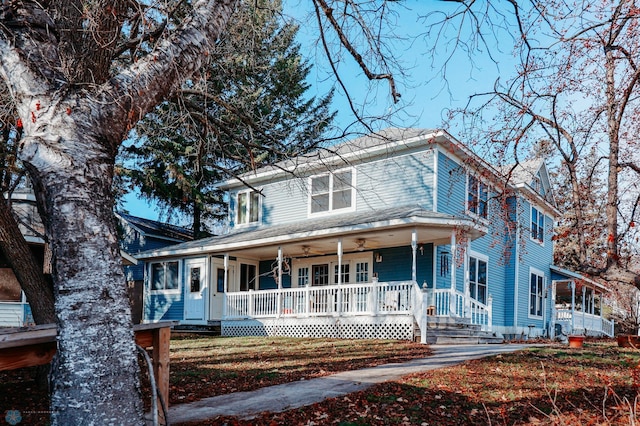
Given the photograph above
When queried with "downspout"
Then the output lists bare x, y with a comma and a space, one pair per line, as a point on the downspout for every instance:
516, 270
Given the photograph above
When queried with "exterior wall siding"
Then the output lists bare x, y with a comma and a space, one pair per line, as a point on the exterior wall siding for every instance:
11, 314
384, 183
164, 305
451, 186
533, 255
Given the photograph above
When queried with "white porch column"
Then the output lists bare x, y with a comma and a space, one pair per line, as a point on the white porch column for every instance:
279, 307
225, 284
452, 295
573, 304
339, 301
584, 316
414, 247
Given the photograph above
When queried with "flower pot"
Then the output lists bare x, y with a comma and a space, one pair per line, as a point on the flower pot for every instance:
576, 341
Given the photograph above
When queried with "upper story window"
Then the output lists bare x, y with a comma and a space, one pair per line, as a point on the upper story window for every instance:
332, 191
477, 196
537, 225
248, 207
164, 276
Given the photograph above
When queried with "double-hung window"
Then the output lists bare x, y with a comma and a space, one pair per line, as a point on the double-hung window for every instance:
164, 276
478, 279
248, 207
247, 277
536, 291
332, 191
477, 196
537, 225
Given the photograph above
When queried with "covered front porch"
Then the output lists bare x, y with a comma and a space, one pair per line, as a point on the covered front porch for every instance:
368, 279
579, 306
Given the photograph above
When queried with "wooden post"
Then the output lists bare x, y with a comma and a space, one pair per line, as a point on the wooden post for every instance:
161, 342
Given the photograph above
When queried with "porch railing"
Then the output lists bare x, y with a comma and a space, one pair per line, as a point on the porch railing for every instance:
346, 299
584, 321
403, 297
454, 303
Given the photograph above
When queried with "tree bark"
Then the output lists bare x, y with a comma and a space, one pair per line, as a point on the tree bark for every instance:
25, 267
71, 135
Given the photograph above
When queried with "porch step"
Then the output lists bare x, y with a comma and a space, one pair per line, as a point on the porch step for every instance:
457, 331
213, 328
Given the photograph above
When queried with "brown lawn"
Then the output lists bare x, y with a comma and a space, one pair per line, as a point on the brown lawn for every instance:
541, 386
204, 366
552, 386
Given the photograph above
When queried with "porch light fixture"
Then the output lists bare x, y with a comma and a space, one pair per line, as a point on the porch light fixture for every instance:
378, 258
306, 250
421, 248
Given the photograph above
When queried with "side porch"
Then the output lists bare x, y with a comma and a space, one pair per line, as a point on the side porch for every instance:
579, 306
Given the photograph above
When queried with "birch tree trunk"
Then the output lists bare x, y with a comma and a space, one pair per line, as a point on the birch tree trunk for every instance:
75, 116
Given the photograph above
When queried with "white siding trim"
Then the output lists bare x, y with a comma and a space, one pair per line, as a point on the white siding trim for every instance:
539, 273
435, 182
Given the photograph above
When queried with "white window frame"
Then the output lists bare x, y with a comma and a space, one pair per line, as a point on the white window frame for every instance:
481, 258
331, 210
165, 290
248, 193
540, 215
541, 281
238, 283
351, 259
478, 193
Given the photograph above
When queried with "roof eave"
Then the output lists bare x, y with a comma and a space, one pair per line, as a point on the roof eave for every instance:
480, 229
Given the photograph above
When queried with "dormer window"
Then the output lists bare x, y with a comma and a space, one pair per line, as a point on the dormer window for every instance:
477, 196
332, 191
248, 207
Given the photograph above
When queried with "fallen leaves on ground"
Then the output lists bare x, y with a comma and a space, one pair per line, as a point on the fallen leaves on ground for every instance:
540, 386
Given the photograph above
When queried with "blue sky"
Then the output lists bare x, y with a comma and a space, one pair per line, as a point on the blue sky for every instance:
426, 96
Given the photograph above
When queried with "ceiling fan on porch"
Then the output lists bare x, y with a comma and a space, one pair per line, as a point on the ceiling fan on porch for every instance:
362, 244
307, 250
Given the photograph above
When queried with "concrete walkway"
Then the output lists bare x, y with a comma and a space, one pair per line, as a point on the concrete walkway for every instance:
275, 399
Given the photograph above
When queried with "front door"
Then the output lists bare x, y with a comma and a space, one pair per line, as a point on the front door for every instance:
196, 289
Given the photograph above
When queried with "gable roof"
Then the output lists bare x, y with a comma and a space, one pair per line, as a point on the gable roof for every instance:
384, 141
523, 175
153, 228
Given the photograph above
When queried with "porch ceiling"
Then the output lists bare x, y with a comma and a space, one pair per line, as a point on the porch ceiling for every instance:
353, 241
359, 232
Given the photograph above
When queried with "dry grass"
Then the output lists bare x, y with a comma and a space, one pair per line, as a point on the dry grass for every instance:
541, 386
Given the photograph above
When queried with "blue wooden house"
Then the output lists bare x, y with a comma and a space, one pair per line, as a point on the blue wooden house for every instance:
136, 234
383, 236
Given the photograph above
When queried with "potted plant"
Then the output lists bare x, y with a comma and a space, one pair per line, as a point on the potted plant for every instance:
576, 340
